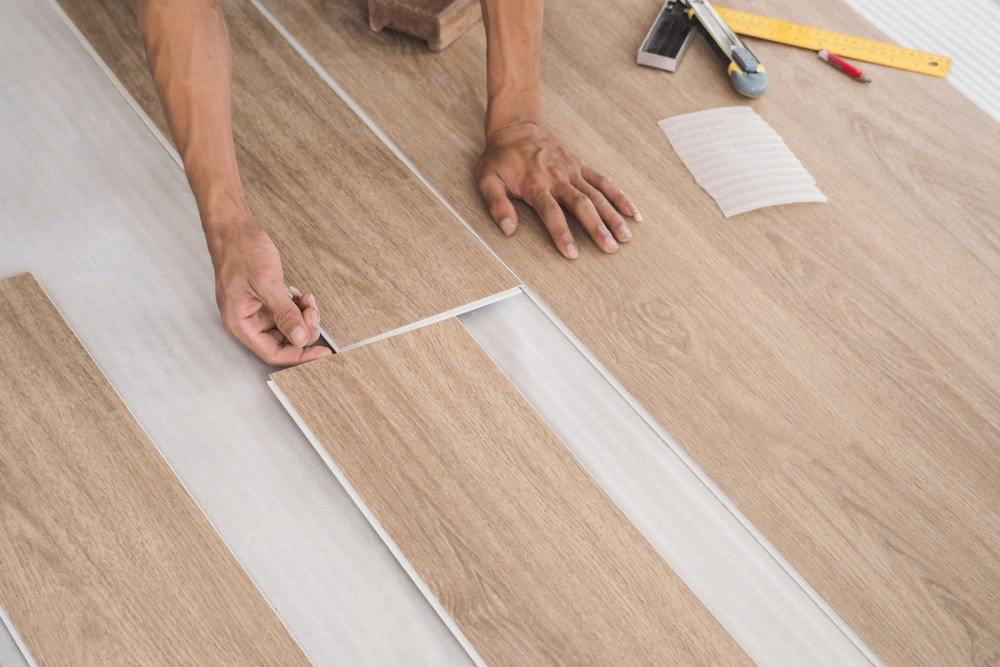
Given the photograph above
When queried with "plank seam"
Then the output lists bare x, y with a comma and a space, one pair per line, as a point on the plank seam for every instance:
454, 312
378, 528
390, 144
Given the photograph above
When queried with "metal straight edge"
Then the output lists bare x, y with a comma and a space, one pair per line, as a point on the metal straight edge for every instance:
709, 484
179, 481
756, 534
374, 522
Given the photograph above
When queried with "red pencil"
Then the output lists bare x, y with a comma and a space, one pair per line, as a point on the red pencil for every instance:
844, 66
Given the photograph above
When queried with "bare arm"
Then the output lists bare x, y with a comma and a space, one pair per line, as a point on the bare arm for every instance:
523, 160
187, 46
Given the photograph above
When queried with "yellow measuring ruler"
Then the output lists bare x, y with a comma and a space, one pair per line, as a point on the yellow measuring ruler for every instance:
845, 46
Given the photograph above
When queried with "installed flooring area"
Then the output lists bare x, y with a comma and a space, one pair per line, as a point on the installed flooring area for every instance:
771, 439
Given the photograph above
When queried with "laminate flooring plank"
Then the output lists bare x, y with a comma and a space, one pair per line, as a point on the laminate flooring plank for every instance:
106, 558
353, 223
528, 555
767, 342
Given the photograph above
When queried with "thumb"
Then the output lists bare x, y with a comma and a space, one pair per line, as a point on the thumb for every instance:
501, 210
287, 316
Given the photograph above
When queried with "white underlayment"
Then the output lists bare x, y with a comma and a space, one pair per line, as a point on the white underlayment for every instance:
966, 30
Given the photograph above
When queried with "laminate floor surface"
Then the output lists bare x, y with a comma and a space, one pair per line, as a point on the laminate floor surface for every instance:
352, 223
835, 367
106, 558
535, 564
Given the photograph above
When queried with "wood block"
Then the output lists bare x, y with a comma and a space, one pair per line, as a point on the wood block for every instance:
528, 555
106, 559
439, 22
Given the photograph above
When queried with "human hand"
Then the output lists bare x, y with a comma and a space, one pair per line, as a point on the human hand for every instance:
526, 162
255, 309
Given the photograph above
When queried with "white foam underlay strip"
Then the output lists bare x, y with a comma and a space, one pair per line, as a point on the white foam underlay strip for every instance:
739, 159
965, 30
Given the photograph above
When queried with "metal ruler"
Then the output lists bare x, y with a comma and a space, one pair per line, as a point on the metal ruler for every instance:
846, 46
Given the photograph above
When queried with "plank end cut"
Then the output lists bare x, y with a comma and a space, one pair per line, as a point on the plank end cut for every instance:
106, 558
515, 544
438, 22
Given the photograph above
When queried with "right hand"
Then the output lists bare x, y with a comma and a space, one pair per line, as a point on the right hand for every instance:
256, 310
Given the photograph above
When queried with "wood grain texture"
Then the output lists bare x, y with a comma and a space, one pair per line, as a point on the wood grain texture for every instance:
769, 343
351, 221
106, 558
536, 565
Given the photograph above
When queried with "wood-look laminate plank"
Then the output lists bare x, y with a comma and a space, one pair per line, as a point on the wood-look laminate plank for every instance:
353, 223
532, 560
106, 558
768, 342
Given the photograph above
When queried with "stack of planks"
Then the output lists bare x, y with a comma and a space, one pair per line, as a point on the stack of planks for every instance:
834, 368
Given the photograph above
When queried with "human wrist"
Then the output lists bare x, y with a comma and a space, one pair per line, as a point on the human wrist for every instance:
513, 129
222, 229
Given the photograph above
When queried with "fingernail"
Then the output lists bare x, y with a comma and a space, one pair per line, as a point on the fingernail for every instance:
507, 226
299, 336
292, 292
624, 232
635, 212
315, 319
311, 301
571, 250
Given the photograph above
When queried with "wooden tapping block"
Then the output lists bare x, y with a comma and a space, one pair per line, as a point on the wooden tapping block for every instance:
440, 22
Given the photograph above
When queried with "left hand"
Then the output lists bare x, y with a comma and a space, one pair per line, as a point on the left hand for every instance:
526, 162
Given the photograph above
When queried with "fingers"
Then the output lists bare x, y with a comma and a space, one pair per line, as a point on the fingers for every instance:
611, 191
612, 219
583, 208
285, 312
310, 314
501, 210
552, 216
274, 349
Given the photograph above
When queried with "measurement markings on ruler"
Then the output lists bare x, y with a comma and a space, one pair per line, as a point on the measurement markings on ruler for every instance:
845, 46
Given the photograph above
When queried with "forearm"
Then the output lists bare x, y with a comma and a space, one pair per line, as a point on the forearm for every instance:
513, 62
187, 46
